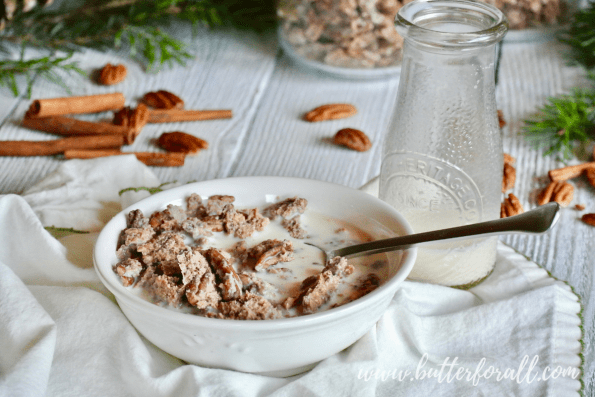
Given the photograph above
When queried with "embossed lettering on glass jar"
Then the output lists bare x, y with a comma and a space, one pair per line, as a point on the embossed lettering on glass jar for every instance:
442, 157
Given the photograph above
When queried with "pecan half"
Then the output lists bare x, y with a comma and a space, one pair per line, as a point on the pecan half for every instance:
509, 177
330, 112
590, 174
511, 206
508, 159
353, 139
560, 192
231, 285
181, 142
501, 121
112, 74
270, 252
589, 219
163, 100
134, 118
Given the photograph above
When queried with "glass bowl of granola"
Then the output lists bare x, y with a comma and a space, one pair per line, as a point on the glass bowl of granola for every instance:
218, 273
348, 39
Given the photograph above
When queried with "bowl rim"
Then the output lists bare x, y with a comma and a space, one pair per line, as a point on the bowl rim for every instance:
162, 198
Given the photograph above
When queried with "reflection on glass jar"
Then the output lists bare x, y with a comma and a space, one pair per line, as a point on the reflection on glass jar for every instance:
349, 34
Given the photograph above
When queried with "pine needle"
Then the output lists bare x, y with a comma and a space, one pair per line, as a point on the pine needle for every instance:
563, 122
46, 67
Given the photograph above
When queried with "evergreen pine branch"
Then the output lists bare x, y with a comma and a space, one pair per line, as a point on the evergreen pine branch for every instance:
562, 122
46, 67
581, 36
103, 25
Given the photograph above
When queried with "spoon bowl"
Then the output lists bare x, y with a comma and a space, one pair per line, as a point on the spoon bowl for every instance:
538, 220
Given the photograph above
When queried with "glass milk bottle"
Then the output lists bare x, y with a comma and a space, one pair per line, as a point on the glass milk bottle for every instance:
442, 157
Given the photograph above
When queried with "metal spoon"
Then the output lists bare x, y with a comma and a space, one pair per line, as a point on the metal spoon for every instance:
539, 220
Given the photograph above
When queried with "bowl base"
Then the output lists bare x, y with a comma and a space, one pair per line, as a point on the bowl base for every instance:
286, 373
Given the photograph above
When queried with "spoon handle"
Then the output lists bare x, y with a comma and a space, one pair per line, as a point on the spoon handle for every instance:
538, 220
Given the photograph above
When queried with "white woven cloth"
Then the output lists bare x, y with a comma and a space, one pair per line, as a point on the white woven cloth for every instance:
62, 334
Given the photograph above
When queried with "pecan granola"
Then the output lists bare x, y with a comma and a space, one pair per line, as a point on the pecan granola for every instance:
287, 208
169, 257
271, 252
350, 34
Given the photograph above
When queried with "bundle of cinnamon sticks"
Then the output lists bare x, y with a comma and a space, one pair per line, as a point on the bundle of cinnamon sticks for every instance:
86, 139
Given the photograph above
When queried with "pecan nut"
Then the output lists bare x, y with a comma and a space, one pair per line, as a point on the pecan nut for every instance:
112, 74
133, 118
590, 174
509, 177
353, 139
163, 100
181, 142
560, 192
511, 206
589, 219
501, 121
330, 112
508, 159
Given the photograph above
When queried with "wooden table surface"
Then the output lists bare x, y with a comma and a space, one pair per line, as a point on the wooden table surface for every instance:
268, 94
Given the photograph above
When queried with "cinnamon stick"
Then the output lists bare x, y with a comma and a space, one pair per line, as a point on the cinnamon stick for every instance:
572, 171
76, 105
148, 158
61, 125
173, 115
57, 146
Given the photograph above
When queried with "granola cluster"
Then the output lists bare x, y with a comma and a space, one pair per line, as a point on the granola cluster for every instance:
154, 255
529, 13
343, 33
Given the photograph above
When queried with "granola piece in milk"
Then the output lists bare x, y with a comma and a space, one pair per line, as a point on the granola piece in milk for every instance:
136, 219
193, 265
216, 203
316, 290
169, 219
294, 227
231, 285
163, 250
196, 228
252, 283
165, 288
128, 270
203, 293
287, 207
195, 207
131, 238
249, 307
270, 252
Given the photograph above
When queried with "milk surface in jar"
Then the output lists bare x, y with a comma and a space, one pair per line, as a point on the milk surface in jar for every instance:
442, 157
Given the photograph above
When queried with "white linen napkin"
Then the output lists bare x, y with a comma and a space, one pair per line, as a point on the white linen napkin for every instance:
62, 334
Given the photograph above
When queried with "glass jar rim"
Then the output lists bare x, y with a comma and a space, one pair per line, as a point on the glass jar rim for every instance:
411, 14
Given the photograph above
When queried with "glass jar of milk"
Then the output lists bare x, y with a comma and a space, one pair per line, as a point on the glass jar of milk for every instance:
442, 157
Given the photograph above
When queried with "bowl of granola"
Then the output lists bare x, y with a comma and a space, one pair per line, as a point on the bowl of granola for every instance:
221, 273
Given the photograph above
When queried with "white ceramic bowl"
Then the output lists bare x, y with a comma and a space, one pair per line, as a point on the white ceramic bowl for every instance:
279, 347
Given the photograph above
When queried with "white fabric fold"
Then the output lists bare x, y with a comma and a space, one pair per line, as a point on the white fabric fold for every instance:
62, 334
